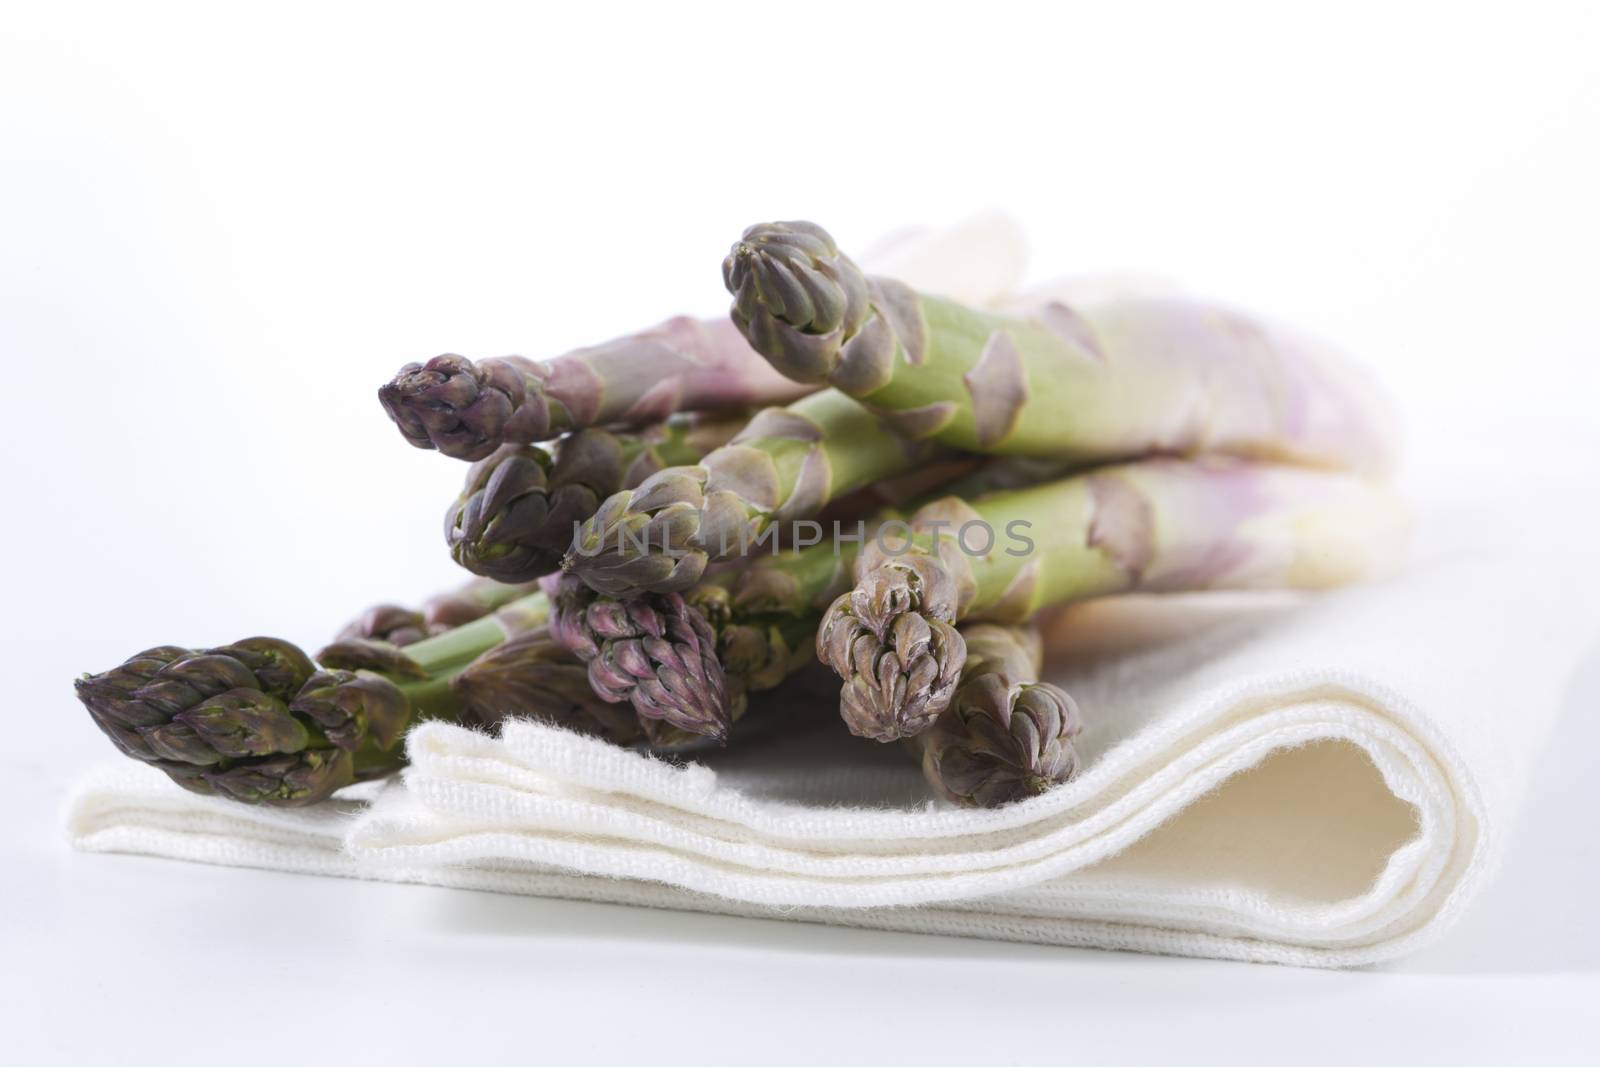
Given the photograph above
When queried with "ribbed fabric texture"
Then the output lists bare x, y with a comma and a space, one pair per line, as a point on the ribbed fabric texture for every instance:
1318, 782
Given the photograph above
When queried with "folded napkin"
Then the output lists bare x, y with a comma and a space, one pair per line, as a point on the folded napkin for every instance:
1314, 781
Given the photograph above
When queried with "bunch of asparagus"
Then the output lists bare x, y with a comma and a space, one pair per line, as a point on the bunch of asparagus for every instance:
668, 525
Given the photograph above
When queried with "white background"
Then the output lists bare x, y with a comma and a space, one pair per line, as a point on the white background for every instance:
221, 227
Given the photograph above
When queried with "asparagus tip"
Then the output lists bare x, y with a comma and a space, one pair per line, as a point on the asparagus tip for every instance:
656, 651
466, 409
509, 523
1003, 741
219, 721
650, 539
796, 297
893, 641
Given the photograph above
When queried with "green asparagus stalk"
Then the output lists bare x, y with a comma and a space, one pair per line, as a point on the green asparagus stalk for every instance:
1006, 735
784, 466
1118, 380
530, 674
256, 721
474, 599
402, 626
1158, 525
516, 514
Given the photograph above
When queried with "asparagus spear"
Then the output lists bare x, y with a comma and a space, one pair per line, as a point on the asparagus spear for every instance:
785, 465
1154, 525
516, 514
467, 410
256, 721
1118, 380
1006, 735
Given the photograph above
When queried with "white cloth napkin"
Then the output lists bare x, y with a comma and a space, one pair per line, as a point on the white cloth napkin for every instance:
1319, 782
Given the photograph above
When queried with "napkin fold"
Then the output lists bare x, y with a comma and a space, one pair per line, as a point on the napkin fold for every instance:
1318, 781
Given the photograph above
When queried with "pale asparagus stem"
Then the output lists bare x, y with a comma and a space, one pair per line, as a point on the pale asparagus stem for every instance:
1116, 380
956, 474
257, 722
516, 514
786, 465
1006, 735
1159, 525
978, 261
